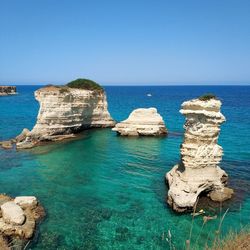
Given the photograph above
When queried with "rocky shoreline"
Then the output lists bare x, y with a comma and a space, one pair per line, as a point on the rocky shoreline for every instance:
19, 218
7, 90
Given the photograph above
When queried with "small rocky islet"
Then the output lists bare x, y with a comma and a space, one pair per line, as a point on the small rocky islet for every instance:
142, 122
7, 90
82, 104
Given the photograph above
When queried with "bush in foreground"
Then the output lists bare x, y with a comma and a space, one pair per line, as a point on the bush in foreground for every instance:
234, 241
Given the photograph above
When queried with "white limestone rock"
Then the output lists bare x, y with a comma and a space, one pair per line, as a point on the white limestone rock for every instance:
65, 111
18, 223
198, 170
142, 122
12, 213
26, 201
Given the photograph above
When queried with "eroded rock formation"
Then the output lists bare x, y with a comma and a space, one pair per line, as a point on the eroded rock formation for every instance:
64, 111
18, 219
7, 90
142, 122
198, 170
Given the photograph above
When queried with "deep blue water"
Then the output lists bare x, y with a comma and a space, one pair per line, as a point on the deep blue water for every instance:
108, 192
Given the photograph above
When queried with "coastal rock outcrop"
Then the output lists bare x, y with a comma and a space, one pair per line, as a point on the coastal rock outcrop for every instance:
198, 171
12, 213
65, 111
7, 90
142, 122
18, 220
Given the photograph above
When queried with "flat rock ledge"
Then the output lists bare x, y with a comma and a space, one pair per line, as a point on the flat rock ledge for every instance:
142, 122
198, 171
18, 220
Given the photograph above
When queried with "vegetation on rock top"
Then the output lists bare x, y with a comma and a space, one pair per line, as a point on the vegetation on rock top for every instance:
76, 84
84, 84
207, 97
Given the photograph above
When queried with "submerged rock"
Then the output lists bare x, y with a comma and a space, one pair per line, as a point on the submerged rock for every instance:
198, 171
18, 220
142, 122
221, 195
65, 111
7, 90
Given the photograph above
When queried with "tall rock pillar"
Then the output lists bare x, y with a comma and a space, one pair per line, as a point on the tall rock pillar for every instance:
198, 170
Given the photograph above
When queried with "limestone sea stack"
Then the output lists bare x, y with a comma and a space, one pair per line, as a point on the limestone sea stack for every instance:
18, 220
7, 90
65, 111
142, 122
198, 171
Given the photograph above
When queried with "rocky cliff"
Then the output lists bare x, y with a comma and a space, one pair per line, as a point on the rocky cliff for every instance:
7, 90
142, 122
65, 111
198, 170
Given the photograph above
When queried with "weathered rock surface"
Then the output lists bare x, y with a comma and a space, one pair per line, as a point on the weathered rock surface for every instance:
12, 213
6, 144
198, 170
142, 122
26, 201
64, 112
7, 90
18, 222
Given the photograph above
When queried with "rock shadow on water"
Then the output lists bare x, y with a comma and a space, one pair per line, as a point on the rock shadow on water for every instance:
234, 204
48, 147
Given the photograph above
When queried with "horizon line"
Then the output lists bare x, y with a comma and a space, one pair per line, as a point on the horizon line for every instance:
139, 84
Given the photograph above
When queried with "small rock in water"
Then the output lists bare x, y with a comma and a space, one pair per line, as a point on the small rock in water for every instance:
24, 201
7, 90
6, 144
12, 213
221, 194
142, 122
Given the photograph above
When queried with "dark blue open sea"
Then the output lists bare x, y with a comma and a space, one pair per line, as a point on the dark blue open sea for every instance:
107, 192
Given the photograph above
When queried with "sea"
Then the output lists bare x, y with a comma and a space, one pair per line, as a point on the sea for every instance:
103, 191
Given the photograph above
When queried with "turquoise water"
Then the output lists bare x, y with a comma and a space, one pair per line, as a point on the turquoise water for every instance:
108, 192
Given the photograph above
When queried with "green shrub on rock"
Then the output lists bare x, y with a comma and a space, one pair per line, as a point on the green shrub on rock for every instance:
84, 84
207, 97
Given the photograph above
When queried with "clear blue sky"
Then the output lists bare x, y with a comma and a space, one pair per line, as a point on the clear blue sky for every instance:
125, 41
